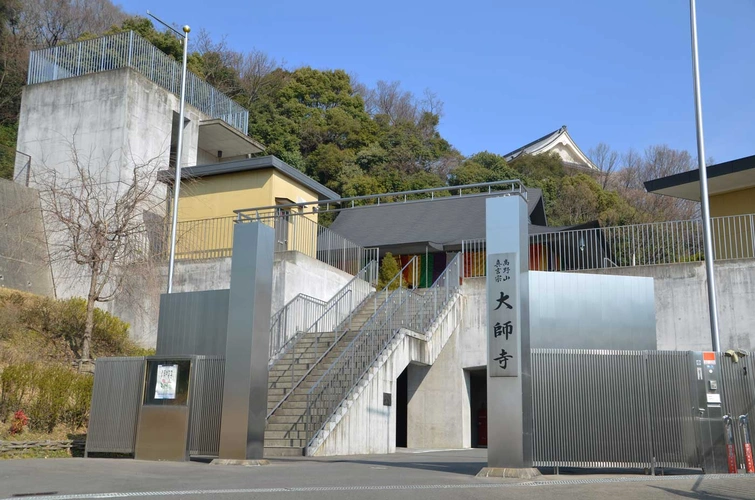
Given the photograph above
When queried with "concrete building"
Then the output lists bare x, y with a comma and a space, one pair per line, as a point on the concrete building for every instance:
110, 104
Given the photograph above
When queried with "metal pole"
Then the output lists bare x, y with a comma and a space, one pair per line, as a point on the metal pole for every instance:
707, 239
179, 149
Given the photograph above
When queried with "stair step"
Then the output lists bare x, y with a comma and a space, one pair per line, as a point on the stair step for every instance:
284, 419
288, 411
286, 434
282, 443
284, 427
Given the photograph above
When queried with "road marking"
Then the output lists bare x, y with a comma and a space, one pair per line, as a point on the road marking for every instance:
314, 489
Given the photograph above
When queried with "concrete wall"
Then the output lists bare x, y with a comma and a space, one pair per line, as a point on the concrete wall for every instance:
115, 119
293, 273
682, 303
363, 424
23, 250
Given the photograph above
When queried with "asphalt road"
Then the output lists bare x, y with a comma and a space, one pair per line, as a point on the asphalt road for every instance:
435, 475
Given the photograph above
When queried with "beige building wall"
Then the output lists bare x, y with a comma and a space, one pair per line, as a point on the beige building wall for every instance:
733, 231
205, 212
733, 203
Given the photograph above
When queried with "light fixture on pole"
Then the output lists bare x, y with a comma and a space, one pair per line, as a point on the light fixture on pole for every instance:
707, 239
179, 147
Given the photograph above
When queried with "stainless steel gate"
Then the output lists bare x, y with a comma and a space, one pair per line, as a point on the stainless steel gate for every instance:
612, 409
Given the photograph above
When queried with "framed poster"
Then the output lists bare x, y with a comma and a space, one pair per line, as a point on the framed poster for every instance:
167, 380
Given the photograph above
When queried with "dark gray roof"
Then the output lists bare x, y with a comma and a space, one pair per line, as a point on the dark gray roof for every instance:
438, 223
258, 163
693, 176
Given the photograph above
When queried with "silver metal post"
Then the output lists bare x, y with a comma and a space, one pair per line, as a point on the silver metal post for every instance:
707, 239
179, 149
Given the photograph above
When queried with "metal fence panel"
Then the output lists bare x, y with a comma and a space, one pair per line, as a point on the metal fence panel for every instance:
129, 49
739, 395
116, 398
206, 406
590, 409
671, 409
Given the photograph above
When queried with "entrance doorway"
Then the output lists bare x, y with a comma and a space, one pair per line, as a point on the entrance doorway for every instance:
402, 401
478, 405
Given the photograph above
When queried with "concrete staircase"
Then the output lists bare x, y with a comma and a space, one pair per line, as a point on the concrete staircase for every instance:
286, 433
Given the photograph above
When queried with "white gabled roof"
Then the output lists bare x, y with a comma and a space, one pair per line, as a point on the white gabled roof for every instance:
559, 142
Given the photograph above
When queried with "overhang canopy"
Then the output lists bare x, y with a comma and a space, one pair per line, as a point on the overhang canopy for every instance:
725, 177
216, 135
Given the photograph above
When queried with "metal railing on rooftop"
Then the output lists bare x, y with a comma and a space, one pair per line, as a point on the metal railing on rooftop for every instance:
401, 308
514, 186
129, 50
625, 246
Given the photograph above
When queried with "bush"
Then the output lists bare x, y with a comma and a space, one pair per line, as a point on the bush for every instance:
64, 320
50, 395
20, 420
388, 269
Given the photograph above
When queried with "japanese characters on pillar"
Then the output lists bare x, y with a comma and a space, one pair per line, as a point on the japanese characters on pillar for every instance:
503, 316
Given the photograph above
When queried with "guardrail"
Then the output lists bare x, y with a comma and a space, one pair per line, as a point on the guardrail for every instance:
129, 49
213, 239
402, 308
303, 312
625, 246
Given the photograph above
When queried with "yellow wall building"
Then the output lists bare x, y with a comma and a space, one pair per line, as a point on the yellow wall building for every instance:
731, 192
210, 193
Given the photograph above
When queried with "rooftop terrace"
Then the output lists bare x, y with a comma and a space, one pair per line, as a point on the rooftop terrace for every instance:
129, 50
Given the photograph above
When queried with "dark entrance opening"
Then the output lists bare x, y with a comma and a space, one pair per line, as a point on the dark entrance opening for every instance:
478, 402
402, 401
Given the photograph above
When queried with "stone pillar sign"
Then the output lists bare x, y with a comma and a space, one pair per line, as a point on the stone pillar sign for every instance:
508, 333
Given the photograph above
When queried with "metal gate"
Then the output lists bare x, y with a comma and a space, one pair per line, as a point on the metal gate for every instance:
627, 408
612, 409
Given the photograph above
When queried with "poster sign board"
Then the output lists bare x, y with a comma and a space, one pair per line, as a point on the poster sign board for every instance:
503, 315
167, 380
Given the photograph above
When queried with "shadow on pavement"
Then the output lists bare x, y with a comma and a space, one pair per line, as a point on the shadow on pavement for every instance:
702, 490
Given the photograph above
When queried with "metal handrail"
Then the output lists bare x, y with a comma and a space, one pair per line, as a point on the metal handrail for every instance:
295, 341
278, 350
367, 274
401, 309
516, 187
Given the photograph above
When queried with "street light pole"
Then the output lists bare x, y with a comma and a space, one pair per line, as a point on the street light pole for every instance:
707, 239
179, 149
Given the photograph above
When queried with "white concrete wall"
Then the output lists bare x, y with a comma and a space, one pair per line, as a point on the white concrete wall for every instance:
114, 118
682, 303
297, 273
293, 273
362, 424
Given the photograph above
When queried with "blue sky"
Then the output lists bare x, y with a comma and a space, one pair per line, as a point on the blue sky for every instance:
512, 71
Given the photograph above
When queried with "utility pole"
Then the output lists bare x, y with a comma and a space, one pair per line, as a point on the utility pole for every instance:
707, 239
179, 148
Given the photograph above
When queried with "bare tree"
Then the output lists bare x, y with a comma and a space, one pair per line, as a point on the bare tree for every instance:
94, 216
399, 105
606, 160
657, 161
51, 22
